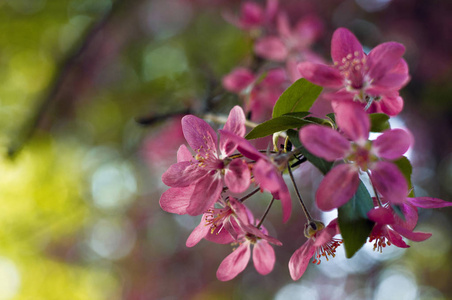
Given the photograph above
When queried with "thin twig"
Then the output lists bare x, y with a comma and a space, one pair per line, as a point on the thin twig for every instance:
305, 210
265, 213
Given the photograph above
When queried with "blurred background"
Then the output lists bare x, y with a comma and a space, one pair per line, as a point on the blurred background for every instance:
91, 96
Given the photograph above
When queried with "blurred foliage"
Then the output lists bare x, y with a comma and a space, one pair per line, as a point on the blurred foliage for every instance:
80, 216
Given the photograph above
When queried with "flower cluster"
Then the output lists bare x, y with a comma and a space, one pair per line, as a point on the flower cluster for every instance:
224, 168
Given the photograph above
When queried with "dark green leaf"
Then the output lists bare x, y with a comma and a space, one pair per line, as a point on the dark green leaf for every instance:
332, 117
301, 114
298, 97
294, 138
353, 222
405, 167
379, 122
274, 125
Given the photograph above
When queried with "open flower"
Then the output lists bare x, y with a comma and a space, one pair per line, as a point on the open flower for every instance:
360, 154
389, 229
373, 80
221, 225
263, 253
320, 243
208, 170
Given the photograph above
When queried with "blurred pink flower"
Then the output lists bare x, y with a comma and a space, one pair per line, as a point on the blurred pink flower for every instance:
373, 80
290, 42
260, 92
320, 242
252, 16
171, 136
341, 182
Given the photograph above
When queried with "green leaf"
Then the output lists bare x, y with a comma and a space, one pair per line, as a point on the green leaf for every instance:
294, 138
405, 167
298, 97
321, 164
301, 114
353, 222
274, 125
379, 122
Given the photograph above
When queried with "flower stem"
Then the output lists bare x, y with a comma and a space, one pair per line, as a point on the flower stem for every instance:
265, 213
305, 210
249, 195
375, 190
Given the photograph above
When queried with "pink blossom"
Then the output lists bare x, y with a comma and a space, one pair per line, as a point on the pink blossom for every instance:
263, 253
266, 171
389, 229
203, 175
290, 42
260, 92
221, 225
353, 146
373, 80
320, 244
252, 16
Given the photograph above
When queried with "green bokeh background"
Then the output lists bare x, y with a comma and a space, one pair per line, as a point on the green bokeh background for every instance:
79, 187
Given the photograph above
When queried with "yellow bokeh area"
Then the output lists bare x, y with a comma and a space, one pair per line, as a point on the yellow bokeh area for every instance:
42, 213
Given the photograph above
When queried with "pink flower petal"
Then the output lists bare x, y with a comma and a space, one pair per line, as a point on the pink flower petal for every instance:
300, 259
183, 154
383, 58
327, 233
352, 120
252, 15
272, 48
222, 235
175, 200
207, 191
345, 45
198, 233
395, 239
182, 174
321, 74
236, 125
389, 182
238, 176
394, 79
337, 187
392, 144
267, 176
391, 106
381, 215
263, 257
324, 142
410, 214
199, 135
234, 263
411, 235
428, 202
238, 80
243, 146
